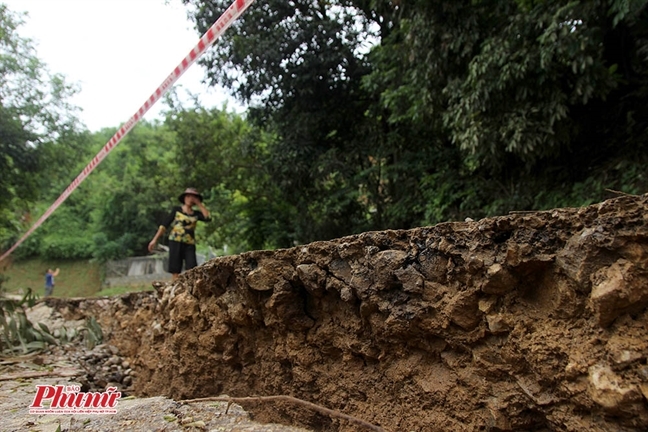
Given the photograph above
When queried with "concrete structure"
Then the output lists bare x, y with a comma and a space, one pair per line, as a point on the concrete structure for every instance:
139, 270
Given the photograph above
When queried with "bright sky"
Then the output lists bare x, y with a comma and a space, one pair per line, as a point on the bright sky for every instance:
117, 51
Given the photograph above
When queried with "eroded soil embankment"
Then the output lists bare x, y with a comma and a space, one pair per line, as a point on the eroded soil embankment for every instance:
523, 322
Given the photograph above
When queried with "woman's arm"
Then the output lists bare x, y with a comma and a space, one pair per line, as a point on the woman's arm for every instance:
202, 208
161, 230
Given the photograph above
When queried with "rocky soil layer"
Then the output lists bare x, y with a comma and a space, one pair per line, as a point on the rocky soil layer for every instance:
531, 321
95, 369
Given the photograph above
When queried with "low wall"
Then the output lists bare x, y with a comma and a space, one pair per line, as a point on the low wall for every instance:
139, 270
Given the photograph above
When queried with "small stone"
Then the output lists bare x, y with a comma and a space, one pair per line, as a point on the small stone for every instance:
268, 274
625, 357
346, 294
445, 246
157, 328
474, 264
463, 311
185, 421
574, 369
371, 251
98, 348
644, 390
115, 384
313, 278
486, 305
411, 279
497, 324
128, 380
607, 389
125, 364
258, 280
499, 419
386, 262
619, 289
644, 371
499, 280
116, 377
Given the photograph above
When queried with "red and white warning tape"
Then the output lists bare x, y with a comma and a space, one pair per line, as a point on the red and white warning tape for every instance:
226, 19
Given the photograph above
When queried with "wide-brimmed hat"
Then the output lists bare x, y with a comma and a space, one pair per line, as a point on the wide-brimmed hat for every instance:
190, 191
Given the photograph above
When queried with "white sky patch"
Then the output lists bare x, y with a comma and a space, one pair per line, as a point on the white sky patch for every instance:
117, 51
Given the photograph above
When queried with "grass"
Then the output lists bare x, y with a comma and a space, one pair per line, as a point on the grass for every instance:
116, 290
76, 278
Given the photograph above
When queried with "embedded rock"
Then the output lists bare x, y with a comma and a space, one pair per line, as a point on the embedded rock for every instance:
621, 289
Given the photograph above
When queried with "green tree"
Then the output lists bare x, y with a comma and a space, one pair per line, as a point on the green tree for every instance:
115, 211
131, 191
223, 156
33, 111
390, 114
543, 98
300, 66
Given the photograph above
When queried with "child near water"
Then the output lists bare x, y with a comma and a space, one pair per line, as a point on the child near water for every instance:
49, 281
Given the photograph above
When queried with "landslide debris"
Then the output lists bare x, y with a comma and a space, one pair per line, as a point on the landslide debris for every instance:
73, 363
531, 321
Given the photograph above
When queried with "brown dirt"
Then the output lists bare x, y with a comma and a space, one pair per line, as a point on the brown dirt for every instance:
533, 321
71, 364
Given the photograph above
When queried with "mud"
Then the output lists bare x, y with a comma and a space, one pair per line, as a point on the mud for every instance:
532, 321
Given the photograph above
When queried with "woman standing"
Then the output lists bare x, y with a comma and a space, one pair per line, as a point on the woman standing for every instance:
182, 222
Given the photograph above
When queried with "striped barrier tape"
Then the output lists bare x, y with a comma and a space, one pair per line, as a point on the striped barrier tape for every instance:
218, 28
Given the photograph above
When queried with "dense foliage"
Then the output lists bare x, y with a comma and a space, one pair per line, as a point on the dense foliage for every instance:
459, 108
115, 212
363, 115
33, 114
545, 99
